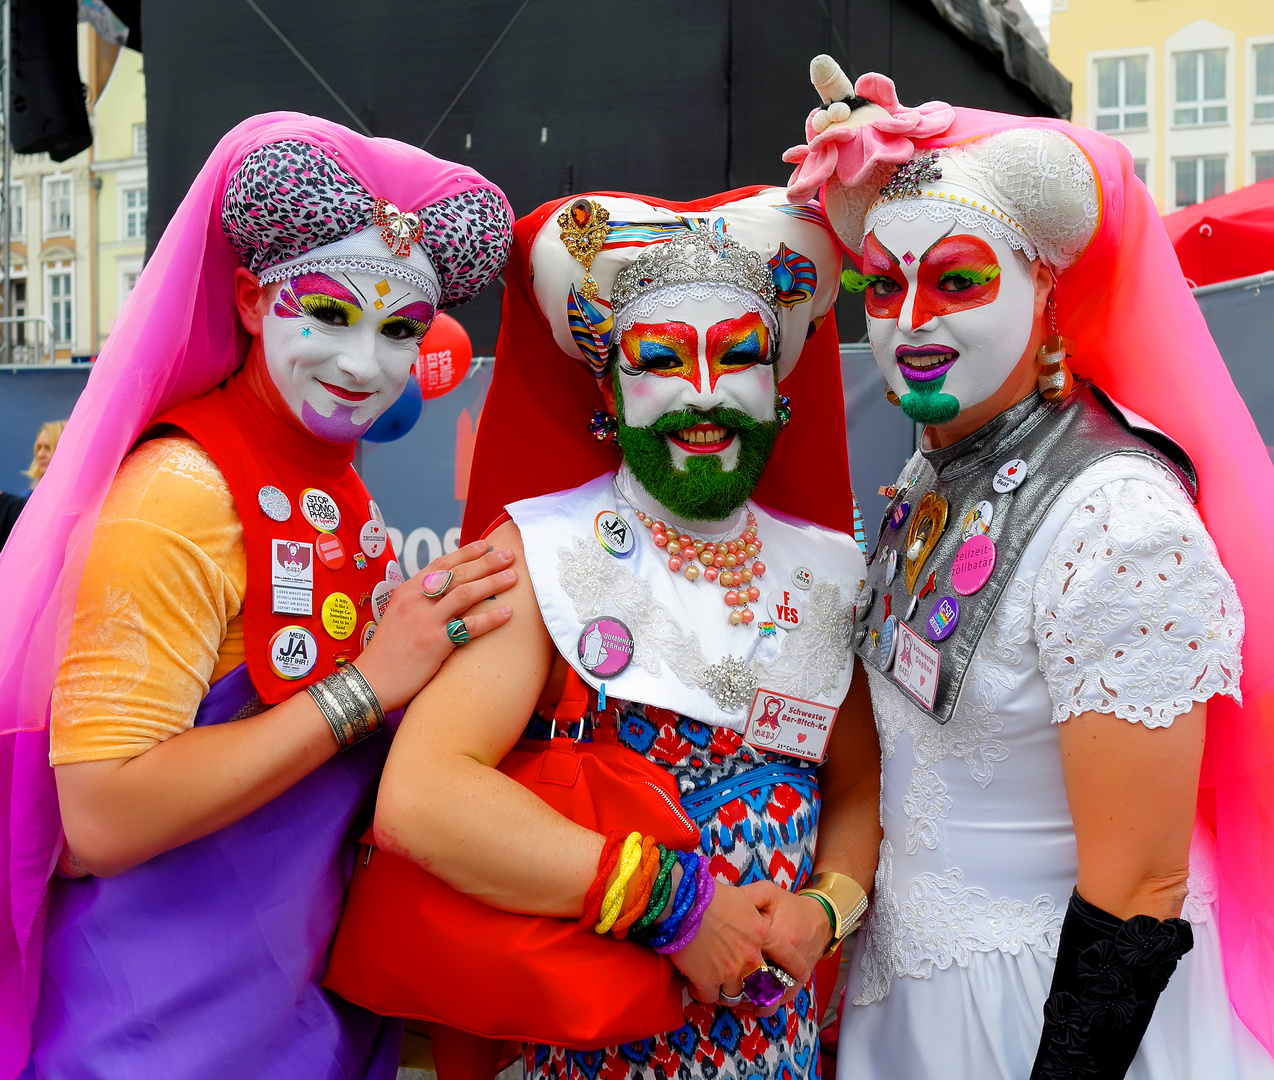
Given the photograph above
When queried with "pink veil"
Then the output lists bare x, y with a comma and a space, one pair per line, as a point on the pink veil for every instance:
1140, 336
177, 337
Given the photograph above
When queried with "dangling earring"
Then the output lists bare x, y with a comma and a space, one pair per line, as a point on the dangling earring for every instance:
604, 427
1055, 380
891, 397
784, 411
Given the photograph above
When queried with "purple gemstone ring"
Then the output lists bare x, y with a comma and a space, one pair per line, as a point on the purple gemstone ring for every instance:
766, 986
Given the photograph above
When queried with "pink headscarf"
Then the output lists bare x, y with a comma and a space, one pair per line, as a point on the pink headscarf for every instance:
1140, 336
177, 337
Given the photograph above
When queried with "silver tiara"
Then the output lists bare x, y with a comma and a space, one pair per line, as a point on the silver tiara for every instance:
701, 255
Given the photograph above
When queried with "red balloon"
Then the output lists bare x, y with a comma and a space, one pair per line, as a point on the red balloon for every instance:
445, 353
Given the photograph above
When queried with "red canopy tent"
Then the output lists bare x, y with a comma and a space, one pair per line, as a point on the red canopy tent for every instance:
1228, 237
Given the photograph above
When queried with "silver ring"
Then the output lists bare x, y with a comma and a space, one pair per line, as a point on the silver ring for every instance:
726, 999
434, 593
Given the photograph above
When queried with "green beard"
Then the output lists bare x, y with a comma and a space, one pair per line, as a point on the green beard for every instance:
926, 404
703, 491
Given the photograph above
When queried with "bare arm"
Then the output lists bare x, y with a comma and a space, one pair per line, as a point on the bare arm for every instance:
121, 812
1132, 792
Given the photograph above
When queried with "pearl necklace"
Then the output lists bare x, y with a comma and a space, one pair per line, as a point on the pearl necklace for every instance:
724, 561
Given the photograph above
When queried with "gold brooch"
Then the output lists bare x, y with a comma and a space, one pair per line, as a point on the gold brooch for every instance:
585, 226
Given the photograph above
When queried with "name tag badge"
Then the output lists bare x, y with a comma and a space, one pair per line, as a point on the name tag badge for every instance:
916, 666
292, 564
781, 724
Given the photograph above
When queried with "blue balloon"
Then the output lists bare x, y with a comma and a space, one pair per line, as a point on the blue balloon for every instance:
400, 417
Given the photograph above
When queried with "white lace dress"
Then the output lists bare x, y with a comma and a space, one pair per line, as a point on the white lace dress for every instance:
1120, 604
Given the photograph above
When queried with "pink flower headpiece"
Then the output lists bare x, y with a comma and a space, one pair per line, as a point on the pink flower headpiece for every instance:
852, 142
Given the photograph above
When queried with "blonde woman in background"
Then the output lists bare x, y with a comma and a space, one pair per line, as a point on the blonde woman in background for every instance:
45, 443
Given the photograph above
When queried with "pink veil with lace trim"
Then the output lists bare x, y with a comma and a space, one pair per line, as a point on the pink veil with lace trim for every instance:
176, 338
1140, 336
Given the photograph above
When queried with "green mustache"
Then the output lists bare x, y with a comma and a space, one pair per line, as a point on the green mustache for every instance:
730, 419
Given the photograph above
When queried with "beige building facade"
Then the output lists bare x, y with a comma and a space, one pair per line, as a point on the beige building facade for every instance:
1187, 87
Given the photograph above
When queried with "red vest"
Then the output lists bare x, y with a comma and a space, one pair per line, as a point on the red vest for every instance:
316, 552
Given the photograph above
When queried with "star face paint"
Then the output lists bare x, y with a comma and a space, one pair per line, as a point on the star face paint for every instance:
696, 395
336, 361
948, 325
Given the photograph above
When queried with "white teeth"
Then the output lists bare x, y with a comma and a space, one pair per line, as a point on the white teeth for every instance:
923, 362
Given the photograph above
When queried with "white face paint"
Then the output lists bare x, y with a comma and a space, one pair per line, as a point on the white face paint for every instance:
336, 358
697, 355
950, 310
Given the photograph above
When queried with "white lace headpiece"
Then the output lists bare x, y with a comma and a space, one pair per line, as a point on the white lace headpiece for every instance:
1031, 187
608, 261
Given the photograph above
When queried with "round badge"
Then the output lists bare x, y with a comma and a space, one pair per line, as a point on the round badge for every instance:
293, 652
373, 511
802, 577
339, 616
785, 608
899, 514
888, 642
372, 538
863, 604
614, 534
274, 504
1009, 475
973, 565
380, 599
319, 509
330, 551
369, 632
892, 568
943, 617
605, 647
393, 573
977, 520
911, 607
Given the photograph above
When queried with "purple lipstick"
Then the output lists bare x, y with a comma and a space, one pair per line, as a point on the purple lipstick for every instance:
921, 363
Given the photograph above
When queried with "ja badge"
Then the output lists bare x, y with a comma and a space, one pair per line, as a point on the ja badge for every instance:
373, 537
943, 617
785, 609
293, 652
1009, 475
369, 632
614, 533
274, 504
319, 509
973, 564
916, 666
802, 577
780, 724
977, 521
605, 647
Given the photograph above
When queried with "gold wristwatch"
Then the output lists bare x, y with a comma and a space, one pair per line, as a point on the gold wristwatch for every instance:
844, 898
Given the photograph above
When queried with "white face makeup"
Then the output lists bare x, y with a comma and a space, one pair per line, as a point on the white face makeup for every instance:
697, 356
339, 348
950, 312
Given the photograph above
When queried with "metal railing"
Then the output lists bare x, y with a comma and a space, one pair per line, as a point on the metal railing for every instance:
27, 352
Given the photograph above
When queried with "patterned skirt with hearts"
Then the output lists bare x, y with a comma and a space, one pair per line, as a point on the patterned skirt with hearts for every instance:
758, 815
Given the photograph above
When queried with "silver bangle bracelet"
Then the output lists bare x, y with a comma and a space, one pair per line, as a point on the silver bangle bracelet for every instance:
349, 705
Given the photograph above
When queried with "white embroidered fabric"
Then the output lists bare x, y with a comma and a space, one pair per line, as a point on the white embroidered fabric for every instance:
970, 218
1134, 613
648, 304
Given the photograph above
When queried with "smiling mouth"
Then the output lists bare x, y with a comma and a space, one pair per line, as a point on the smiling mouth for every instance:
343, 394
920, 363
703, 438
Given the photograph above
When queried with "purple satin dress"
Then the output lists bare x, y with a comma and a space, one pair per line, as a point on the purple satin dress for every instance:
204, 962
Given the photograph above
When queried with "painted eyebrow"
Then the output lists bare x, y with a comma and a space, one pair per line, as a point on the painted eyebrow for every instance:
353, 286
950, 230
892, 257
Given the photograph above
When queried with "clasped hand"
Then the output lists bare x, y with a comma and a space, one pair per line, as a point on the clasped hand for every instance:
750, 925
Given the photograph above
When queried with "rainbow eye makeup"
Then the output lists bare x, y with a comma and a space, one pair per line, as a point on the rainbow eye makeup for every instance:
318, 297
662, 349
737, 344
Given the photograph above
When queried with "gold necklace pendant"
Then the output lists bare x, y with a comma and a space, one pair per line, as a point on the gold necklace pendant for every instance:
585, 224
928, 522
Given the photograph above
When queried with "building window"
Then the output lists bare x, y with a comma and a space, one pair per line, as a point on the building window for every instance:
1198, 179
61, 303
1121, 94
1263, 65
139, 140
18, 212
1139, 169
134, 213
1263, 166
57, 202
1200, 87
19, 310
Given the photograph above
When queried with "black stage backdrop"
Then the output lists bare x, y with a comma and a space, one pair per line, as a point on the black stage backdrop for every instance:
662, 97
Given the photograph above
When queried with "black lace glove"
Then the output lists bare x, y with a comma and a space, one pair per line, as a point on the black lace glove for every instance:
1109, 976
